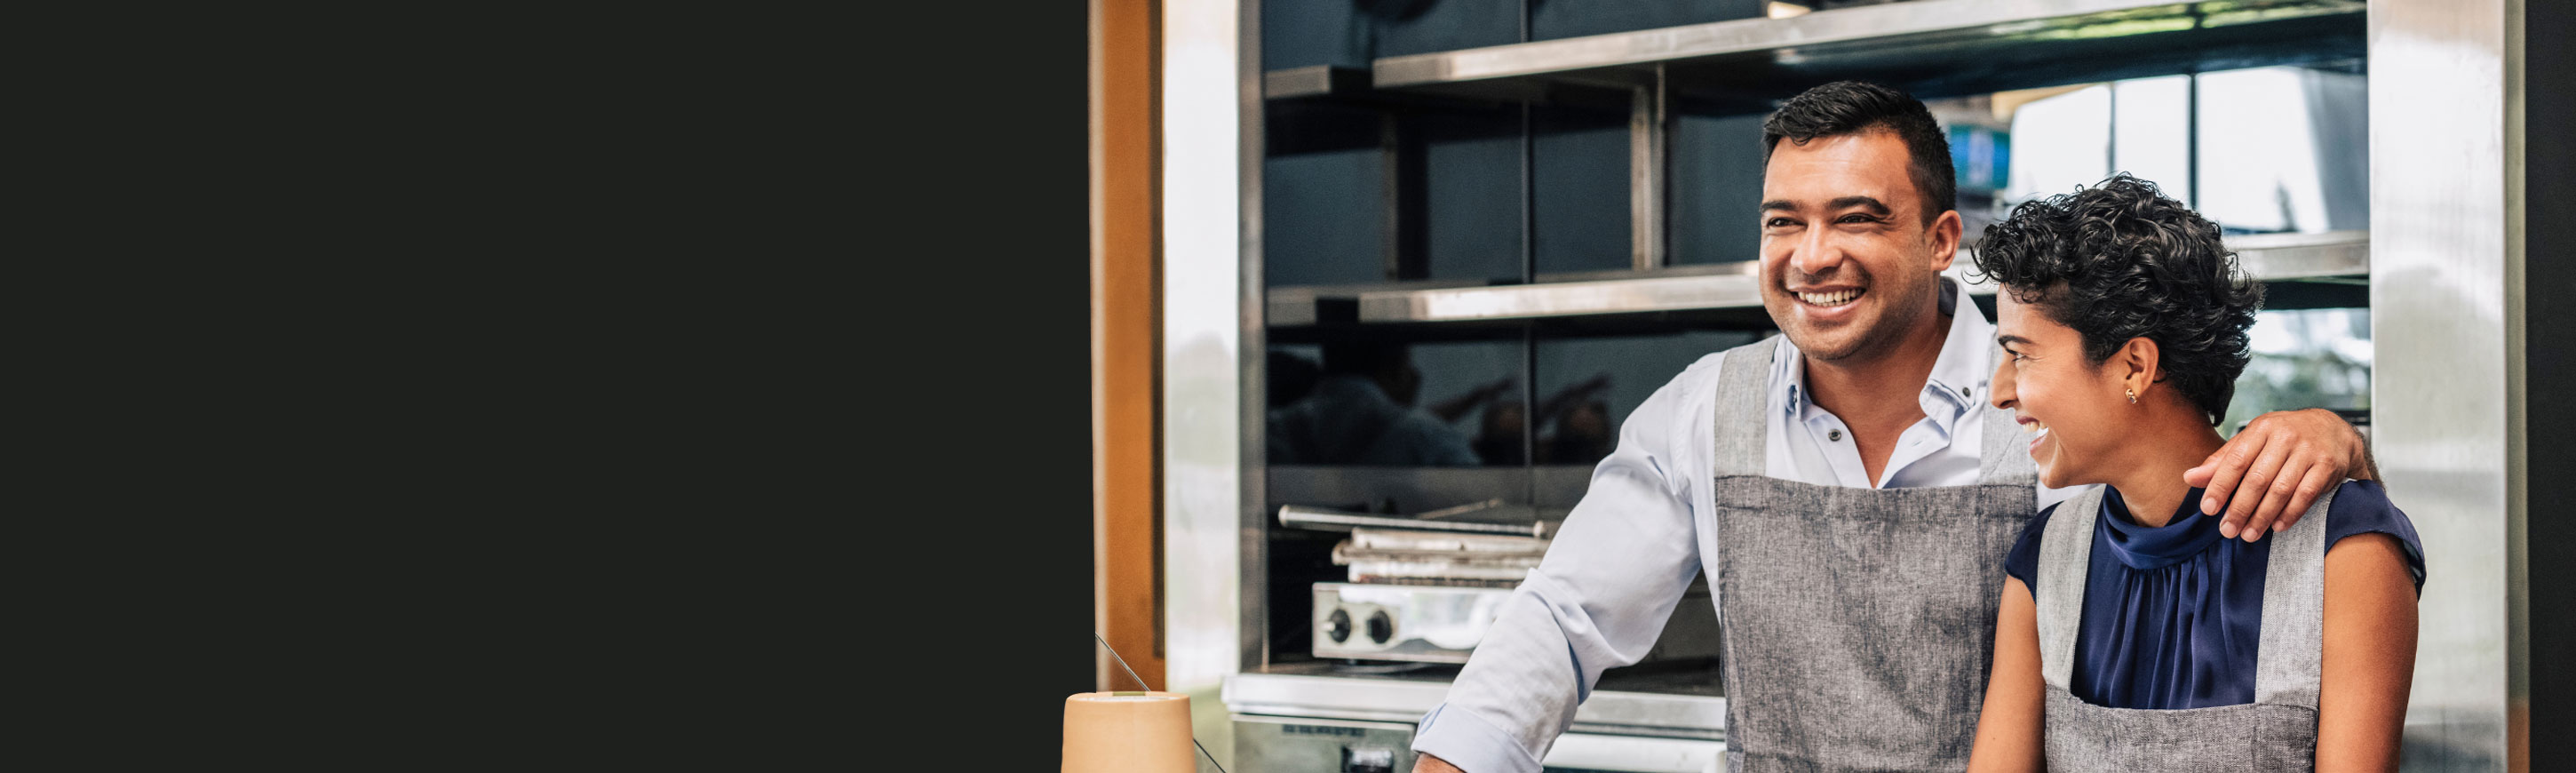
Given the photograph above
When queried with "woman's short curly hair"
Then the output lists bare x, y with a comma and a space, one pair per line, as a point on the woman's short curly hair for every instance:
2119, 261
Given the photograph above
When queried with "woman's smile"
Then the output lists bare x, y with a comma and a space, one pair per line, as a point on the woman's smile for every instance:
2038, 431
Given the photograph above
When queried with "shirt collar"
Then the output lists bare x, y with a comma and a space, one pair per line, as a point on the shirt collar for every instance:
1967, 359
1965, 365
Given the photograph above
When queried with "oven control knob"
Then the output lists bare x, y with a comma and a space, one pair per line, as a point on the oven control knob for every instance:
1381, 627
1338, 626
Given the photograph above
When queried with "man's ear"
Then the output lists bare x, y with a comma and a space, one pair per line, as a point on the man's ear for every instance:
2139, 362
1944, 235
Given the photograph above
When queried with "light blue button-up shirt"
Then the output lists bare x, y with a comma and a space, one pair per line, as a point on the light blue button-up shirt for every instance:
1601, 596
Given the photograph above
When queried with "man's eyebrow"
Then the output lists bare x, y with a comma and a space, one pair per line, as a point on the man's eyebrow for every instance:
2011, 339
1780, 204
1874, 206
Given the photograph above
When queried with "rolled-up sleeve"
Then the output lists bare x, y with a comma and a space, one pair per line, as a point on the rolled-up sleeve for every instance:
1599, 599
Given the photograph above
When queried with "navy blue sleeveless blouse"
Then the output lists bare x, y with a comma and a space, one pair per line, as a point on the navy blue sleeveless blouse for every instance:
2172, 614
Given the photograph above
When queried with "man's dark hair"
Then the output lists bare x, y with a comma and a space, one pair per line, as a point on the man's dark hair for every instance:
2120, 261
1853, 107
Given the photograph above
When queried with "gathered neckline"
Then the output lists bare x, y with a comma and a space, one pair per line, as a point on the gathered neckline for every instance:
2138, 546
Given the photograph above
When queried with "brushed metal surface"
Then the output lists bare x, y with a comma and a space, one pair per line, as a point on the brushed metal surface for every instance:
1406, 700
2268, 257
1936, 30
1211, 99
2443, 239
1648, 129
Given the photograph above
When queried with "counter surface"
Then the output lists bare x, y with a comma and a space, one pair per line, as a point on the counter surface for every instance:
1282, 692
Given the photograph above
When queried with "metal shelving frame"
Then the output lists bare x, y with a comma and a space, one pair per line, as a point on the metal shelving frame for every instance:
1931, 47
2343, 255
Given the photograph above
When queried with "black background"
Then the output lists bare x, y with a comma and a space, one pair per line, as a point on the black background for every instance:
2549, 298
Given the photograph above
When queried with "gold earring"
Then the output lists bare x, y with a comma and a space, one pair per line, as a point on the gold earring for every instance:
2133, 396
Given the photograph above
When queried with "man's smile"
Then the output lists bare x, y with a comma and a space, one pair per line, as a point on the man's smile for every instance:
1831, 298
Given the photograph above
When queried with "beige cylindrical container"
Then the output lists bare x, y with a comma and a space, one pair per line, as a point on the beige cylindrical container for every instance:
1128, 732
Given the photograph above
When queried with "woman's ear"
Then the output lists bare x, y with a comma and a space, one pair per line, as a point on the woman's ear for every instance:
2137, 363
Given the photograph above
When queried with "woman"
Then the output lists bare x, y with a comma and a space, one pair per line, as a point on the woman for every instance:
2133, 636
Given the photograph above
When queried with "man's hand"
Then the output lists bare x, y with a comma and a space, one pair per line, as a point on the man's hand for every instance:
2269, 474
1429, 764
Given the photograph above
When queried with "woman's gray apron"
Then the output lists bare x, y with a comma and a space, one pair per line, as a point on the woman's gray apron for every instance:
1859, 623
2278, 731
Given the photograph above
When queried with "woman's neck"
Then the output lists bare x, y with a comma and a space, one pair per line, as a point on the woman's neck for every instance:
2150, 482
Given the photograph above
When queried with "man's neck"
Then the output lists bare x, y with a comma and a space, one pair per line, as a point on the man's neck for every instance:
2149, 476
1879, 390
1876, 395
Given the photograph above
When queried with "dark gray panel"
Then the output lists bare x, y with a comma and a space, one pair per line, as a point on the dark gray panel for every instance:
1324, 218
1716, 179
1579, 185
1422, 26
1473, 195
1551, 19
1304, 34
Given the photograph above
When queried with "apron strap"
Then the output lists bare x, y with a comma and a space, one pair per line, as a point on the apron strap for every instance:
2065, 558
1743, 380
2289, 664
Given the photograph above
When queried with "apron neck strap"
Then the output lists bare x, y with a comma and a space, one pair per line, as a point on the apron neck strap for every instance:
1742, 415
2289, 664
2065, 557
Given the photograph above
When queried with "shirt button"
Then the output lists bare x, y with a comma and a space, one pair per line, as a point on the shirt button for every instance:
1963, 391
1833, 434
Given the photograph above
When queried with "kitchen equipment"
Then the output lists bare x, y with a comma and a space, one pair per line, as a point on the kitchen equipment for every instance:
1323, 519
1443, 624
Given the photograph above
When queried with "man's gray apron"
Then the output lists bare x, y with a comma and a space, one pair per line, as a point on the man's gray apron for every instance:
2278, 731
1859, 623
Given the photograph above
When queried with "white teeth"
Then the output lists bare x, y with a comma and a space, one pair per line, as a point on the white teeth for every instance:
2035, 428
1836, 298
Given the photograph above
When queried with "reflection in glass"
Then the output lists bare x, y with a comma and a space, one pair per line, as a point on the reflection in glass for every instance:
2059, 143
2273, 150
1369, 402
1588, 386
2285, 149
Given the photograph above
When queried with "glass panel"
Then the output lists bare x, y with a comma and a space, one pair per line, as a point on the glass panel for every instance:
2280, 149
2285, 149
1588, 386
2305, 358
1716, 185
1375, 403
1473, 194
1580, 190
1980, 156
2150, 132
1308, 34
1574, 18
2059, 143
1326, 217
1402, 27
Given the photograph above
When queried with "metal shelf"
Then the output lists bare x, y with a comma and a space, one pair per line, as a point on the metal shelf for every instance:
1314, 82
1285, 692
2339, 257
1928, 47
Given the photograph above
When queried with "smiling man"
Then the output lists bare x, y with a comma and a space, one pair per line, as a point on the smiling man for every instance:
1845, 486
